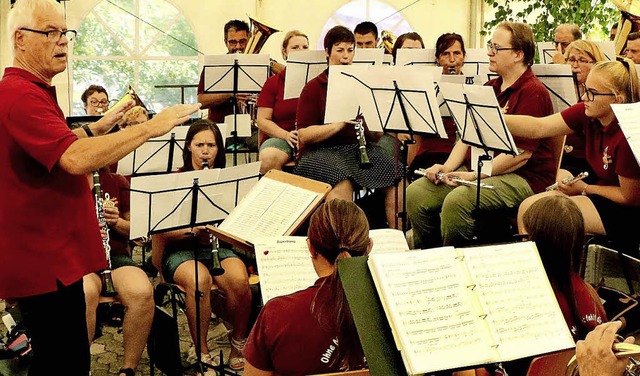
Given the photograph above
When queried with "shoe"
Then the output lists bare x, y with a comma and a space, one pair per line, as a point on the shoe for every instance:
236, 363
208, 371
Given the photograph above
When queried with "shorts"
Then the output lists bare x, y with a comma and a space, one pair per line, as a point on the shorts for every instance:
174, 258
118, 261
280, 144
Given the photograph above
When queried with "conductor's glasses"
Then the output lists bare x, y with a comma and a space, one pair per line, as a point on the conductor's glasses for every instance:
54, 35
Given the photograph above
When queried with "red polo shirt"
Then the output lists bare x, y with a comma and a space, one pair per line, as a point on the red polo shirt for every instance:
605, 146
48, 225
528, 96
284, 111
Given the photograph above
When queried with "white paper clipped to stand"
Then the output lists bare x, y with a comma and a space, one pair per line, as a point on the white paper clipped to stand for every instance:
627, 115
242, 125
559, 81
153, 156
546, 51
302, 67
415, 57
368, 56
218, 73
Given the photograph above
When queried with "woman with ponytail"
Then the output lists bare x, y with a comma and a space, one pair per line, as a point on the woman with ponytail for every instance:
312, 331
615, 197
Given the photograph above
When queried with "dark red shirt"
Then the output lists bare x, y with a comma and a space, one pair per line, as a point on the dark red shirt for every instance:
528, 96
217, 112
311, 107
117, 187
605, 146
48, 225
435, 144
284, 111
590, 310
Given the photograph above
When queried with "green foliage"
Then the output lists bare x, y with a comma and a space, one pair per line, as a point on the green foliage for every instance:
593, 16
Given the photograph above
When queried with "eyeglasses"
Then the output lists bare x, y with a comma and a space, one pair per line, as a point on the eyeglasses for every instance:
572, 60
101, 103
54, 35
494, 48
233, 42
591, 94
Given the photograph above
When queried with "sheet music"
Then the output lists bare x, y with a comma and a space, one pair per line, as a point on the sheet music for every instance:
475, 61
559, 81
428, 309
219, 76
518, 300
627, 115
284, 266
368, 56
416, 57
546, 50
269, 209
387, 59
387, 240
153, 156
459, 79
342, 104
243, 125
608, 48
302, 67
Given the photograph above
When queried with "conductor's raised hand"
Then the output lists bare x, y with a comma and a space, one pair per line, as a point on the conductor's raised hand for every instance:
170, 117
110, 119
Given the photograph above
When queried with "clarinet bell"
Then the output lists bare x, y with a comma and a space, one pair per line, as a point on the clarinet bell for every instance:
216, 268
365, 163
107, 284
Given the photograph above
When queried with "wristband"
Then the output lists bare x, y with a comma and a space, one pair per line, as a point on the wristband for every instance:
87, 130
584, 190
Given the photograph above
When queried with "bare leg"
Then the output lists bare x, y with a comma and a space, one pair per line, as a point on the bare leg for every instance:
136, 294
272, 158
184, 276
592, 221
92, 286
342, 190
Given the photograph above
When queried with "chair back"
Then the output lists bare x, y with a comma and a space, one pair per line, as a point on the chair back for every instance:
551, 364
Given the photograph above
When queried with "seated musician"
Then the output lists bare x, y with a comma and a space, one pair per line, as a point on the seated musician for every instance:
95, 100
130, 282
173, 256
608, 204
312, 331
581, 55
441, 211
276, 117
330, 152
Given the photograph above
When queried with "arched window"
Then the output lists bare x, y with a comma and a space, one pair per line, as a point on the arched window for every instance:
142, 43
379, 12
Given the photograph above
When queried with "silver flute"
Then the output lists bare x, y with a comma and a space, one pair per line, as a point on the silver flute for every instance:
570, 180
440, 176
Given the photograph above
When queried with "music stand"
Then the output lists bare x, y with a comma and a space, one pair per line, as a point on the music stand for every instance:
234, 74
416, 57
186, 200
546, 50
480, 123
368, 56
302, 66
159, 155
561, 83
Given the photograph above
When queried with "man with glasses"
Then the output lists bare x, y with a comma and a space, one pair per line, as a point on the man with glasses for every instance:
49, 233
633, 47
564, 35
95, 100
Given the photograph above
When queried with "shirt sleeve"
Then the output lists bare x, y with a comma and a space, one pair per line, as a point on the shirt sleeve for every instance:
575, 117
267, 97
309, 111
257, 350
534, 101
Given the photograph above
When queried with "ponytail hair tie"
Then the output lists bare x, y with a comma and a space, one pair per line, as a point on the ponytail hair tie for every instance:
343, 252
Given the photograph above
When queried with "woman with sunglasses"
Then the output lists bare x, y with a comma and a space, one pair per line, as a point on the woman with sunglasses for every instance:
606, 205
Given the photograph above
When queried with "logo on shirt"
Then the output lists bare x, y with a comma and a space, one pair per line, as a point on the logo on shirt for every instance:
606, 158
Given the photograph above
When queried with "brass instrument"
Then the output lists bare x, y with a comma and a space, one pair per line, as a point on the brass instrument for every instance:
621, 350
570, 180
387, 40
629, 22
103, 201
216, 267
130, 95
440, 176
251, 108
260, 34
362, 145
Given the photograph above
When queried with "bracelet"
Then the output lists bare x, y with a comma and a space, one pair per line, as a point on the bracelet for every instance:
475, 175
584, 190
87, 130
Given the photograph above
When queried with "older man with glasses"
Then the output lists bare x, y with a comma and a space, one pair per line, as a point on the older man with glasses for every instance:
49, 233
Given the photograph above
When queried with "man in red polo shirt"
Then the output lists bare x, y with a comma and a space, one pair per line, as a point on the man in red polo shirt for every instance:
49, 236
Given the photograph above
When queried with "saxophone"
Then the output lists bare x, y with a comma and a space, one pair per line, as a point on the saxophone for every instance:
103, 201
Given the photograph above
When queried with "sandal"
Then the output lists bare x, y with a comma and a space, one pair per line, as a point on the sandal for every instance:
236, 363
127, 371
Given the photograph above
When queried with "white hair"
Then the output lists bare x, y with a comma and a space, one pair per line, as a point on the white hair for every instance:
24, 13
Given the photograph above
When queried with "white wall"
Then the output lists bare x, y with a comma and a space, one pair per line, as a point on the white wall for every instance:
430, 18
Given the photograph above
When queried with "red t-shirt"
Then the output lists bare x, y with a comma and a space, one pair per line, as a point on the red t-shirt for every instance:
288, 339
216, 113
311, 107
435, 144
117, 187
284, 111
588, 305
528, 96
605, 146
48, 225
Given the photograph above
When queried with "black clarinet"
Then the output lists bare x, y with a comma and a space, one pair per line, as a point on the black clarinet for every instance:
363, 157
107, 282
452, 69
216, 267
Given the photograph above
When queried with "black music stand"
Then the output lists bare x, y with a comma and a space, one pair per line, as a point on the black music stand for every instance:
186, 211
401, 102
234, 74
160, 155
480, 123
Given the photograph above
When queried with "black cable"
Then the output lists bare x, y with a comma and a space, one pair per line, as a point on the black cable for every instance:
399, 10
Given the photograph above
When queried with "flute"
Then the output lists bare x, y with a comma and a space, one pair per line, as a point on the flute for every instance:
570, 180
440, 176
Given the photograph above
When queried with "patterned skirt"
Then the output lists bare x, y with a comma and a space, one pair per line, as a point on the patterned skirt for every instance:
334, 164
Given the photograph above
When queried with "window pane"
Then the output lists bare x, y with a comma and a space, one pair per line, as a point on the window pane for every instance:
94, 40
115, 76
119, 21
161, 72
167, 46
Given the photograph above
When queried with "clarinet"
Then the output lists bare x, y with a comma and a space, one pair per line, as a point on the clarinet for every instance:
362, 145
216, 267
452, 69
569, 180
102, 200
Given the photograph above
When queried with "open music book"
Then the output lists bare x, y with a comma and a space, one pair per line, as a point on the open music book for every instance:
451, 308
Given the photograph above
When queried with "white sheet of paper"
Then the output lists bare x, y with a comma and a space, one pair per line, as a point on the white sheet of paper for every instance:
415, 56
162, 202
487, 166
387, 240
387, 59
284, 265
559, 81
252, 74
608, 48
153, 156
546, 50
627, 115
302, 67
242, 126
459, 79
368, 56
475, 61
342, 104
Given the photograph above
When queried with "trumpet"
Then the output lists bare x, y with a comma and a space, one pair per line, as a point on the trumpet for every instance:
440, 176
362, 145
216, 267
103, 201
621, 350
570, 180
